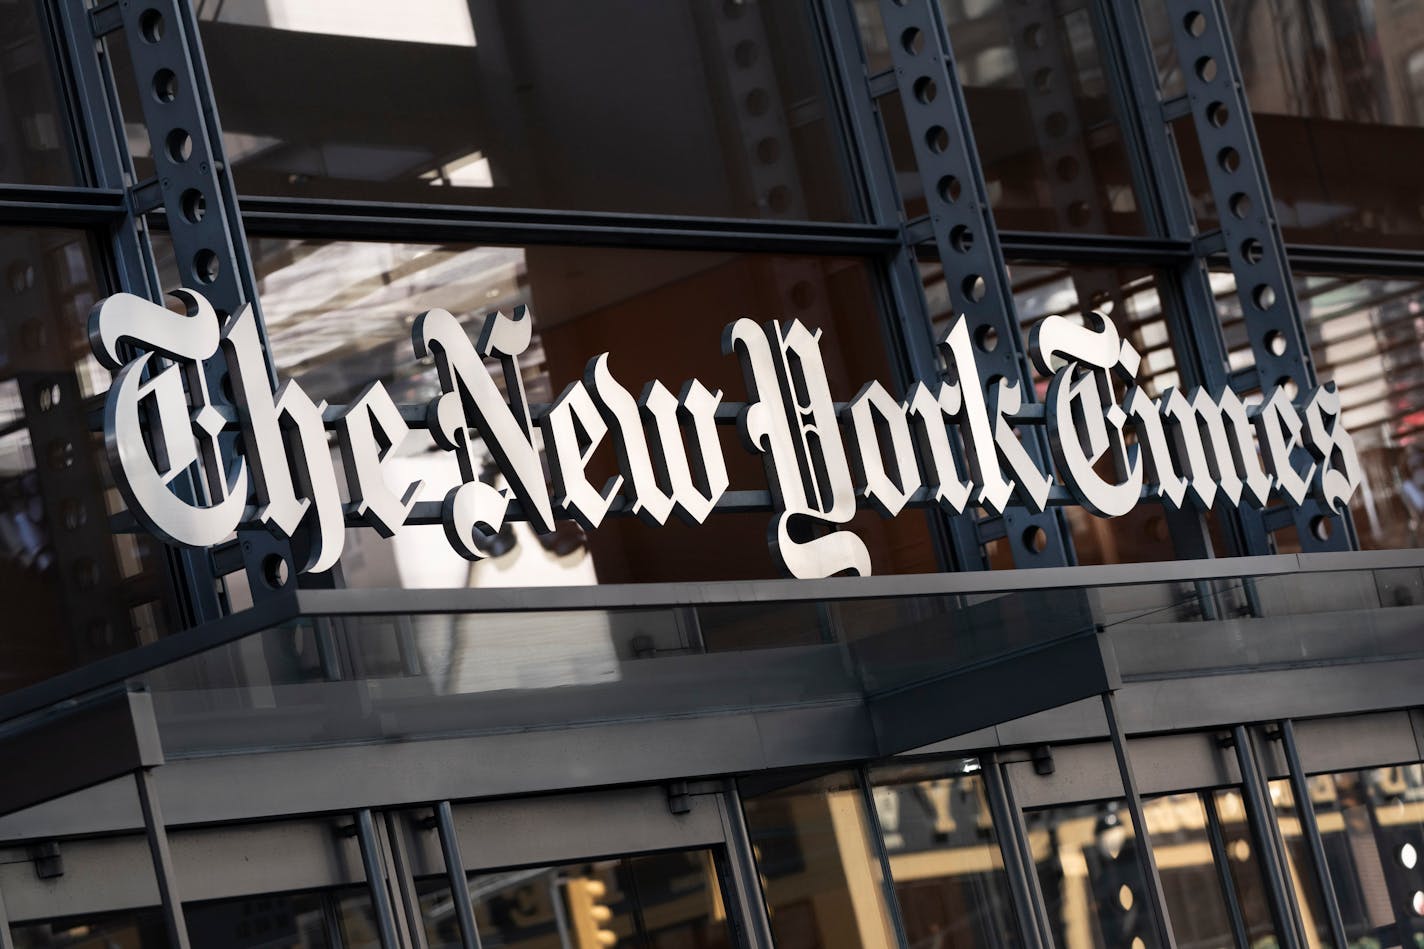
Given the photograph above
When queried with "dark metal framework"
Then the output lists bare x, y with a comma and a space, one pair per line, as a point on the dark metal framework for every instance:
193, 198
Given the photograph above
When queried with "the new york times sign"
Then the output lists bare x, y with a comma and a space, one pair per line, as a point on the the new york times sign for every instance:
951, 444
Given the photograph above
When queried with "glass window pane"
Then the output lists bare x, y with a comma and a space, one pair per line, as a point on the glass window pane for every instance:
1303, 879
339, 315
276, 921
667, 900
944, 856
1372, 827
820, 874
1364, 335
694, 107
1090, 871
85, 591
35, 140
1334, 90
356, 919
141, 929
1128, 296
1043, 121
1191, 870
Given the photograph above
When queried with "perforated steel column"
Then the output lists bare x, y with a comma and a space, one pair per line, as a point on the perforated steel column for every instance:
194, 188
1249, 235
968, 244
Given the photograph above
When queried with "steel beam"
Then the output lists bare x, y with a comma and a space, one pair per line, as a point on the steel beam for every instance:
1250, 234
967, 240
194, 183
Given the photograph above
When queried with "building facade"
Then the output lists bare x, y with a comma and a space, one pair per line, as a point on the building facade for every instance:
1198, 723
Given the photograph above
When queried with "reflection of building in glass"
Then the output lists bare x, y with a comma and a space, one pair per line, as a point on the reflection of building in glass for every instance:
1190, 728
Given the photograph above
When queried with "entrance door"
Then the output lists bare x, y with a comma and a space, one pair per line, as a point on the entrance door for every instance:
638, 868
655, 867
1091, 867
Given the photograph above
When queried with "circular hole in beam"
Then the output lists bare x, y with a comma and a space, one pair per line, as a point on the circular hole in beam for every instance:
150, 25
179, 145
206, 266
165, 85
193, 205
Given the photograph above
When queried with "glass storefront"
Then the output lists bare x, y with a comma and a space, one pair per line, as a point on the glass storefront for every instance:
554, 105
636, 737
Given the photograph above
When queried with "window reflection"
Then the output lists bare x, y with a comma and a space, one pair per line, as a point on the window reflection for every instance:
820, 875
274, 921
658, 901
35, 145
1200, 841
1043, 124
1372, 829
85, 591
1364, 335
339, 315
1333, 89
944, 856
545, 104
1090, 871
142, 929
1129, 297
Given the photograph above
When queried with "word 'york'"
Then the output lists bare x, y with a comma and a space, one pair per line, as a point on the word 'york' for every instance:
948, 443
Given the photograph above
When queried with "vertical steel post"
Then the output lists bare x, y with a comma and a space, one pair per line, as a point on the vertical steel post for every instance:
193, 186
1269, 846
376, 880
405, 883
1222, 859
1017, 854
910, 324
163, 872
191, 584
746, 894
1156, 899
1249, 234
882, 856
1310, 827
455, 876
968, 244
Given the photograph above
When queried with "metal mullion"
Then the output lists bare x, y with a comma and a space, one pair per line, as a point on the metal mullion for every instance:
63, 206
393, 844
882, 856
1310, 828
364, 220
1265, 833
162, 858
1188, 302
1156, 899
190, 589
1017, 853
455, 875
1221, 858
371, 862
744, 875
191, 176
1355, 261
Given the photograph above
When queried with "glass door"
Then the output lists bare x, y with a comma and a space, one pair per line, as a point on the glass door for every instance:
1092, 869
656, 867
